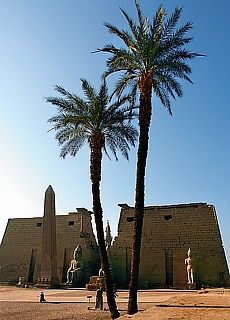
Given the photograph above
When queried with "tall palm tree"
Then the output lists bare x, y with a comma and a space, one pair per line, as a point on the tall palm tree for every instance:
101, 124
152, 60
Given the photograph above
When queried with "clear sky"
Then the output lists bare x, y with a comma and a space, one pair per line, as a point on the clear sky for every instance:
49, 42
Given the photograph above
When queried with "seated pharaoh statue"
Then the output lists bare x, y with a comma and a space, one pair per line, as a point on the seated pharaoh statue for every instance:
75, 271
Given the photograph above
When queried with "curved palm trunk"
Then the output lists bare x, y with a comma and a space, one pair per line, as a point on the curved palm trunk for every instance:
95, 176
145, 85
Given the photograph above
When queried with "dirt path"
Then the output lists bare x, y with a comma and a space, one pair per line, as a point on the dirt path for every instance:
23, 304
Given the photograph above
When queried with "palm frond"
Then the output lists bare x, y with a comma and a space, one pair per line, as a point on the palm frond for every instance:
131, 24
171, 23
88, 90
122, 34
156, 28
143, 23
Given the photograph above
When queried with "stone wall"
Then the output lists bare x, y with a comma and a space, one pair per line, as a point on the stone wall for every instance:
20, 251
168, 233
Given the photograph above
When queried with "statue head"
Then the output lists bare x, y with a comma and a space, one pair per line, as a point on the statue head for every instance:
77, 253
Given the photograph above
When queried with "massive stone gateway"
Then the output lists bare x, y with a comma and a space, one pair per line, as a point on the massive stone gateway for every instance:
21, 248
168, 233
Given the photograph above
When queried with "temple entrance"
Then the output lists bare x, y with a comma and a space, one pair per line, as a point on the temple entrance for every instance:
169, 268
32, 266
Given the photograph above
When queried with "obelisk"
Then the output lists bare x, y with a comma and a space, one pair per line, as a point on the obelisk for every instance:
49, 247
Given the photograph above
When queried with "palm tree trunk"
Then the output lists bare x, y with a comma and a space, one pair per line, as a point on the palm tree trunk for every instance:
144, 125
95, 176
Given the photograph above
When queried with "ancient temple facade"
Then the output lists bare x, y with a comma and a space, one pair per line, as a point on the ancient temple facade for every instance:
168, 233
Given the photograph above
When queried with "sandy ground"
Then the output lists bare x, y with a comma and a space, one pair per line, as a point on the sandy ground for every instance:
21, 303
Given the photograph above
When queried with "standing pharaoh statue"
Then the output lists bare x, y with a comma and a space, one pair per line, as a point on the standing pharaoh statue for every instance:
74, 273
108, 236
108, 242
188, 262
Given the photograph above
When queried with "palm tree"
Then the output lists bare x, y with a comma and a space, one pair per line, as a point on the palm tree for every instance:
102, 125
152, 60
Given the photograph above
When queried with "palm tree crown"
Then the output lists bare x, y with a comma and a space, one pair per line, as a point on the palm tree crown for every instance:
154, 54
79, 120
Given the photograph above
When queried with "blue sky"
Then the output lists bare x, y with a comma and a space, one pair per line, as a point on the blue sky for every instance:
44, 43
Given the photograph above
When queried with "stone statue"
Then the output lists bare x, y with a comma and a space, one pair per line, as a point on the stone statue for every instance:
74, 273
188, 262
22, 281
108, 242
101, 278
108, 237
99, 299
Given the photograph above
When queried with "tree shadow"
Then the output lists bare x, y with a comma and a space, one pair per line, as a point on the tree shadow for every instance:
195, 306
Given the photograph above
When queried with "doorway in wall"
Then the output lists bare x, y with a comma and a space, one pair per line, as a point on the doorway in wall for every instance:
32, 265
169, 267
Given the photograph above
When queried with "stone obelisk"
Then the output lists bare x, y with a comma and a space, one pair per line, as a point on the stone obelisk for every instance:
49, 249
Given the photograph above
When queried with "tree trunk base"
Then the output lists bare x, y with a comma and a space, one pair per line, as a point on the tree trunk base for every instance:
115, 315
